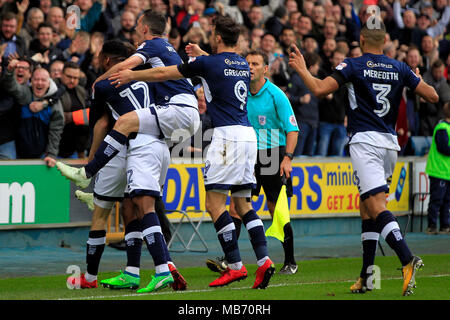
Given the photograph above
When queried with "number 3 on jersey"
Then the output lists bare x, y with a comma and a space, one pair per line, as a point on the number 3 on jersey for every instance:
383, 91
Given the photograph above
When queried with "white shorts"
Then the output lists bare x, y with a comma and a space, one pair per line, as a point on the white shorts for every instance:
173, 121
230, 166
110, 181
372, 166
148, 160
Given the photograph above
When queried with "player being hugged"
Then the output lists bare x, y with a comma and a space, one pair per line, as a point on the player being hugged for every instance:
375, 84
231, 157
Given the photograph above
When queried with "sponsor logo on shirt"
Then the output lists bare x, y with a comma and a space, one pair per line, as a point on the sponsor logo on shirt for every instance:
262, 120
341, 66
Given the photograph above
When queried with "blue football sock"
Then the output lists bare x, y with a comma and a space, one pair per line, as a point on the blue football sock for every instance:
226, 233
255, 229
390, 230
369, 240
154, 238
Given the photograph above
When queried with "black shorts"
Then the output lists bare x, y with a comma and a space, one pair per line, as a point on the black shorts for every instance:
271, 183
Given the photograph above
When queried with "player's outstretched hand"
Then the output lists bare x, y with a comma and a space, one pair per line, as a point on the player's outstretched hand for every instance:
122, 77
193, 50
418, 73
296, 60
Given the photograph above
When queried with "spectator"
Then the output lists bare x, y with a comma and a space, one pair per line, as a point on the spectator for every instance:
42, 50
35, 17
318, 19
287, 39
268, 46
413, 60
355, 50
291, 6
429, 51
255, 38
48, 122
75, 135
23, 70
56, 19
304, 26
45, 6
184, 16
9, 122
409, 33
430, 113
328, 47
90, 13
305, 106
56, 69
310, 44
14, 43
78, 48
332, 132
256, 17
277, 23
438, 170
293, 19
127, 23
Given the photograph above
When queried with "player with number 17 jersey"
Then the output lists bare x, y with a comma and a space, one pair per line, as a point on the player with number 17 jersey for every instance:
375, 84
226, 80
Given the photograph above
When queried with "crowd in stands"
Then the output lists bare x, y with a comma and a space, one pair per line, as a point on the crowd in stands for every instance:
49, 61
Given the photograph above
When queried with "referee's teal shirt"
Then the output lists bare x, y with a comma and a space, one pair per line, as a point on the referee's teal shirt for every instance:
271, 115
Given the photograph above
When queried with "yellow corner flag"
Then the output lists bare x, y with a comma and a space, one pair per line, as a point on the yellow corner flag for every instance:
280, 216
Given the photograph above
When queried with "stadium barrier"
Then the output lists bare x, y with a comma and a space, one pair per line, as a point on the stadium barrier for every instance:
34, 196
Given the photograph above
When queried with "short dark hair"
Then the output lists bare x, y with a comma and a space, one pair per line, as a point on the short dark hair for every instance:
374, 32
116, 49
312, 58
259, 53
8, 15
437, 64
155, 21
446, 109
29, 61
44, 25
227, 29
70, 65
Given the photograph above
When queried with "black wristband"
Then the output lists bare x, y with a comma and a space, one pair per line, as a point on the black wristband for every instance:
289, 155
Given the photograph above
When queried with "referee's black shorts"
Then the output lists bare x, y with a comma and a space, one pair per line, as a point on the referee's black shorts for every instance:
271, 183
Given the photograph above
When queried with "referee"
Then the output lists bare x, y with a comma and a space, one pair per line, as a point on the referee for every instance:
272, 117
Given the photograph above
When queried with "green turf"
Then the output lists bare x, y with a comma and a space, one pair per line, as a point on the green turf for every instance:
327, 279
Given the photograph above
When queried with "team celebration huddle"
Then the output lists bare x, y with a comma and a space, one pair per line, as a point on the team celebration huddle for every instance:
146, 96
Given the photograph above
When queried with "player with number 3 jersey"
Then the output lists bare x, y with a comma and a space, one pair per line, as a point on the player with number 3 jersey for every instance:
375, 84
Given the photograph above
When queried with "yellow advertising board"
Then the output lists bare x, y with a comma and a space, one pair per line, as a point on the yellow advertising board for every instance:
318, 188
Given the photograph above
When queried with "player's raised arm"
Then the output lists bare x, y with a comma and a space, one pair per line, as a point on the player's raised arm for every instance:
426, 91
320, 88
150, 75
129, 63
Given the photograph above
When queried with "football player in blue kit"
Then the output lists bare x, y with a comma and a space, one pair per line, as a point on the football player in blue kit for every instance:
144, 166
375, 83
231, 157
175, 113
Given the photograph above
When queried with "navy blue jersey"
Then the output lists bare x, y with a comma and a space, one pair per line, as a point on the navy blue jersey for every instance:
131, 96
375, 86
226, 81
160, 53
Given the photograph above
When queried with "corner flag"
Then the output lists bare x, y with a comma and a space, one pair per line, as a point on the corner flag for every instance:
280, 216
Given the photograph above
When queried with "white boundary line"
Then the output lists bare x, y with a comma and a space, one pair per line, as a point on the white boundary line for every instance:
240, 288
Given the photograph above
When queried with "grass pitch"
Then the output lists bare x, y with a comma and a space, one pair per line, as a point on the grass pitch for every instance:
327, 279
